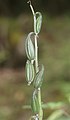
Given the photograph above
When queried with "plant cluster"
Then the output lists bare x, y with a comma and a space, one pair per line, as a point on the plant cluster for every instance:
34, 71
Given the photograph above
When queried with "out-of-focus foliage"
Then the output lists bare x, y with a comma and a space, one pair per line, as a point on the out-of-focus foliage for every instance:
3, 56
12, 38
54, 53
15, 7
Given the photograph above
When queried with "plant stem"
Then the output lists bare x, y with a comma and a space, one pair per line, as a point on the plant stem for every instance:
40, 103
34, 16
36, 54
37, 69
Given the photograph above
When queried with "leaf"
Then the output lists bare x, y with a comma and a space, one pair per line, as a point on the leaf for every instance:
39, 78
29, 47
53, 105
55, 115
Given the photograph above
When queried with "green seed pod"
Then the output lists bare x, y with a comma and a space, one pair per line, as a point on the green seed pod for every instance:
37, 28
39, 78
35, 104
29, 47
29, 72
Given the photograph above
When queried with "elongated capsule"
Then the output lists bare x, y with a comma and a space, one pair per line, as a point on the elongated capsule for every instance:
35, 104
29, 47
29, 72
38, 24
39, 78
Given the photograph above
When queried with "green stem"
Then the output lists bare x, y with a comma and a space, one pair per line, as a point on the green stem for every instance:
37, 69
36, 54
33, 12
40, 103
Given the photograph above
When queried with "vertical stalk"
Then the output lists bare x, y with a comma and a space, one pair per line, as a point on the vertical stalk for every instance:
36, 62
39, 90
36, 54
40, 103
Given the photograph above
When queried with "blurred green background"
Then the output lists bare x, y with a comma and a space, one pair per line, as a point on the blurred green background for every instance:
16, 22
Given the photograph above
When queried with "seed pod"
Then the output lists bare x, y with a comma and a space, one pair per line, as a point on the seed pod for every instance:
39, 78
29, 72
35, 104
29, 47
37, 28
